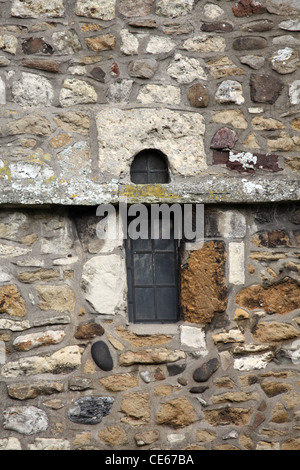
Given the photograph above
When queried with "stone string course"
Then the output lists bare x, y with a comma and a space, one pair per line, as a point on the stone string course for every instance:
84, 86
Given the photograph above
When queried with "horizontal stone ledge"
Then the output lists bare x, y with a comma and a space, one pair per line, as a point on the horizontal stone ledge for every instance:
207, 190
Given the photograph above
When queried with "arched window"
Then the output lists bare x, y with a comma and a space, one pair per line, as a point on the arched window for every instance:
149, 167
152, 263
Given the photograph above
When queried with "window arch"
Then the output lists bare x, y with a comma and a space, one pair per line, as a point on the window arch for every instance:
149, 167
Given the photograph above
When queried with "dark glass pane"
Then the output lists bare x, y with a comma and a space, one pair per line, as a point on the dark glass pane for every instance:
139, 178
164, 268
141, 245
158, 177
143, 272
166, 303
140, 162
144, 304
157, 162
163, 245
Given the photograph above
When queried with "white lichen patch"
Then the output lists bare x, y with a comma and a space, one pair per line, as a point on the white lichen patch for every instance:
282, 55
246, 159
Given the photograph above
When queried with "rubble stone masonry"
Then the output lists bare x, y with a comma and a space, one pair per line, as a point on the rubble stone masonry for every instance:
85, 85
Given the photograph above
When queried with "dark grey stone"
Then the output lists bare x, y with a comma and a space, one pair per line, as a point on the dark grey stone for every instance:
175, 369
199, 389
203, 373
101, 355
90, 410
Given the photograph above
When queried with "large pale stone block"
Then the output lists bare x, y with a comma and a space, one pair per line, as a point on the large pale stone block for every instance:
101, 9
37, 8
236, 255
178, 135
104, 283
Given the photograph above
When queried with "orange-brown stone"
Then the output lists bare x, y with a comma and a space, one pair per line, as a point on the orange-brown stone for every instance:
11, 301
203, 283
281, 297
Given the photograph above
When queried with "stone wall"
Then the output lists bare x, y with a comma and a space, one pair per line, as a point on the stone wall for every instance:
77, 375
84, 86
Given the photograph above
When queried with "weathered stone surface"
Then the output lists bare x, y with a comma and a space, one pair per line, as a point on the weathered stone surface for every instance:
62, 361
8, 43
119, 383
235, 117
129, 43
171, 9
246, 43
185, 69
11, 443
88, 330
146, 438
198, 96
102, 356
11, 301
142, 68
228, 416
285, 60
38, 8
36, 125
90, 410
247, 8
29, 277
224, 138
113, 436
229, 91
58, 298
176, 134
77, 92
254, 61
136, 407
283, 7
101, 43
139, 341
261, 123
66, 42
160, 45
217, 27
36, 46
159, 94
132, 8
150, 356
265, 88
119, 92
177, 413
203, 373
46, 65
223, 67
42, 443
269, 332
290, 25
255, 362
32, 90
204, 273
205, 43
272, 389
193, 337
30, 391
73, 121
25, 420
271, 238
104, 283
102, 10
281, 297
34, 340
